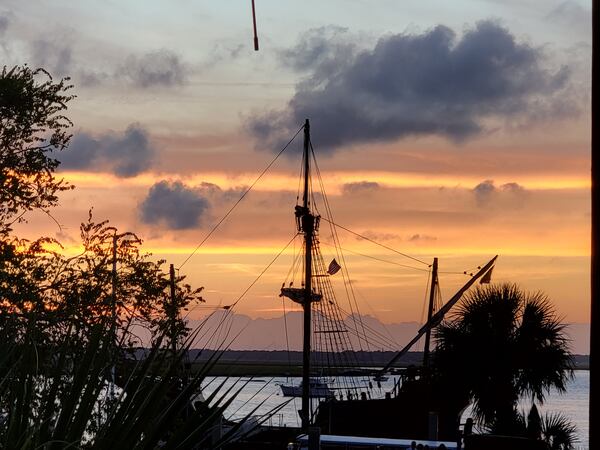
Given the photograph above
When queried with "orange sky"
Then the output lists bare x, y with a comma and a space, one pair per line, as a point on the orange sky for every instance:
176, 90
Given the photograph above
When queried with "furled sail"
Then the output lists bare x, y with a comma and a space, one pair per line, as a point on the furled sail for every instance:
297, 295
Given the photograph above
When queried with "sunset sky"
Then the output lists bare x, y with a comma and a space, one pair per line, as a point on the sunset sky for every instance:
453, 129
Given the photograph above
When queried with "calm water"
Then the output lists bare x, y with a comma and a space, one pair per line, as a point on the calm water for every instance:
265, 394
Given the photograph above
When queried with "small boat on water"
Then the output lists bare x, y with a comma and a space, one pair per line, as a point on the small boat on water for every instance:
380, 378
317, 389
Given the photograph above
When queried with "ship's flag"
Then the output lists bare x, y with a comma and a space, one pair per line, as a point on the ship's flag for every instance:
334, 267
487, 277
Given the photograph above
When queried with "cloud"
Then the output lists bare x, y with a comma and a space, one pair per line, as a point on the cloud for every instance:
514, 188
323, 50
63, 237
222, 52
218, 195
433, 83
125, 154
359, 187
4, 23
157, 68
55, 57
422, 238
174, 204
180, 206
58, 55
572, 15
486, 191
85, 77
377, 236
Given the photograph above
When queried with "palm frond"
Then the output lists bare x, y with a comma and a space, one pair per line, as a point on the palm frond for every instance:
558, 431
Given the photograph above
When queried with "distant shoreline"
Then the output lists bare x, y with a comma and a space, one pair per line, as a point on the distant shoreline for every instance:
281, 363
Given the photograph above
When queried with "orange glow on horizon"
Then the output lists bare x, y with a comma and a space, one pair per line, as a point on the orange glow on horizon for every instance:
462, 251
334, 180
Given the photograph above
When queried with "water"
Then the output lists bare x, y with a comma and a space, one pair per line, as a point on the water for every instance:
265, 395
574, 404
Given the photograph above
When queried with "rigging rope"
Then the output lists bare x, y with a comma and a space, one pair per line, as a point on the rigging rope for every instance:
262, 273
287, 340
347, 284
229, 308
214, 228
423, 309
380, 259
377, 243
331, 309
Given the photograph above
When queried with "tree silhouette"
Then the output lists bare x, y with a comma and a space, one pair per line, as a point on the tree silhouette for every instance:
500, 345
65, 320
32, 126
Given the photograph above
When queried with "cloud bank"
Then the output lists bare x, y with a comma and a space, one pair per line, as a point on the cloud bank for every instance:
434, 83
124, 154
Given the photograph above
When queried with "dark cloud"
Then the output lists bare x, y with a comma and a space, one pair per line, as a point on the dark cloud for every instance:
433, 83
125, 154
180, 206
158, 68
359, 187
486, 192
174, 204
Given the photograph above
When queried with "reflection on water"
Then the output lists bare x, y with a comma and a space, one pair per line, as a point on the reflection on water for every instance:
265, 394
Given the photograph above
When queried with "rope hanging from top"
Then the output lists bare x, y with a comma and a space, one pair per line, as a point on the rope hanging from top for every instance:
218, 224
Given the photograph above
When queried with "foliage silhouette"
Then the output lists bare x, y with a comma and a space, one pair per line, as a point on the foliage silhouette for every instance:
500, 345
66, 322
32, 126
37, 280
58, 399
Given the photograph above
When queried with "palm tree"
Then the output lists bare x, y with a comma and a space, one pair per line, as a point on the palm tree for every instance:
503, 344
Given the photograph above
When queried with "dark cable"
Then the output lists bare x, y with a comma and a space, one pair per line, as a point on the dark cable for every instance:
380, 259
262, 273
375, 242
240, 199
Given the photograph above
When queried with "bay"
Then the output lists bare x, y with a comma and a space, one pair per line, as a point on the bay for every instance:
264, 394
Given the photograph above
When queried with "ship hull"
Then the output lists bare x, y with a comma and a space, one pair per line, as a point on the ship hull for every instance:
418, 411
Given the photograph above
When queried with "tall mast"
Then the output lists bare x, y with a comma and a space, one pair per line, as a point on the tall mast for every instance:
432, 291
306, 223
